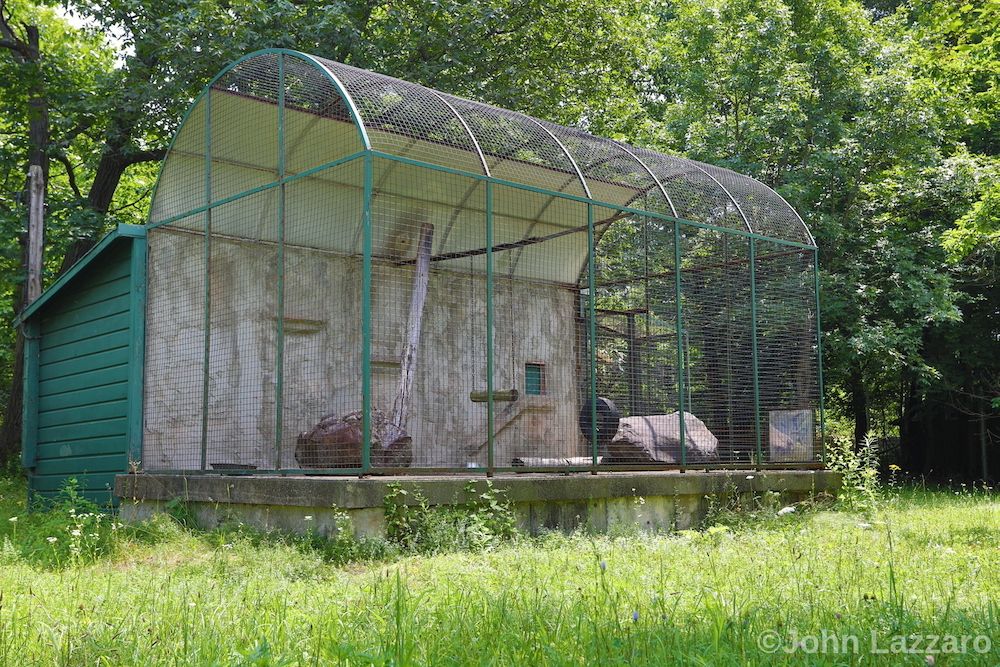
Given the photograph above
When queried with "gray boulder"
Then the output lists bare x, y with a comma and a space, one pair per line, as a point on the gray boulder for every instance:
657, 439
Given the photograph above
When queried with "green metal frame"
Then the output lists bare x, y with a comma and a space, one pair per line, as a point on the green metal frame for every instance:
819, 359
753, 351
681, 361
366, 319
137, 347
279, 352
368, 155
207, 340
490, 313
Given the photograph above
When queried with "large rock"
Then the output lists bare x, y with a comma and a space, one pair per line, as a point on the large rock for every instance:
657, 439
336, 440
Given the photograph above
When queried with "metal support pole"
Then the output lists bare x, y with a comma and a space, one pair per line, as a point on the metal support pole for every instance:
490, 409
592, 331
366, 320
207, 317
819, 360
279, 353
680, 343
753, 350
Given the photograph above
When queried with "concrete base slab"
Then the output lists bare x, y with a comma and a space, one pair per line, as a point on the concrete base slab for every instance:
655, 501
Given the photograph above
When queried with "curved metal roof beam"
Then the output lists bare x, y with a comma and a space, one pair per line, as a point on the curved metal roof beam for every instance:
649, 171
342, 89
475, 142
576, 167
805, 227
743, 215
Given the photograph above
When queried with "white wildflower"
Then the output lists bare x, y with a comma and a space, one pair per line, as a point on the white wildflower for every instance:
13, 519
75, 532
308, 517
749, 476
52, 540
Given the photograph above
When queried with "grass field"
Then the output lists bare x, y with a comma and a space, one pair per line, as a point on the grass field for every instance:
763, 588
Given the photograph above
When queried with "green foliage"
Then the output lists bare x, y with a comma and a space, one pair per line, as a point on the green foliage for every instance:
71, 531
485, 521
859, 467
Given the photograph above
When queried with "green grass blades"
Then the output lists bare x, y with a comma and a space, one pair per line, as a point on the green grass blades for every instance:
790, 588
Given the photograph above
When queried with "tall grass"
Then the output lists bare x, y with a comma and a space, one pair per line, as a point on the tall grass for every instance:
919, 562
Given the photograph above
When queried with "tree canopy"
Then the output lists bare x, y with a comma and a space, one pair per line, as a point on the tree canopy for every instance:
877, 120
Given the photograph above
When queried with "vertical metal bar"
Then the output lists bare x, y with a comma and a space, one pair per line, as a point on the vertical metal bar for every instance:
279, 353
207, 318
819, 359
753, 350
366, 319
490, 414
680, 342
592, 330
137, 348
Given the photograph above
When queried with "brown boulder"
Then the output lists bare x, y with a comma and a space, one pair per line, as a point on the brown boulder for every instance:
336, 442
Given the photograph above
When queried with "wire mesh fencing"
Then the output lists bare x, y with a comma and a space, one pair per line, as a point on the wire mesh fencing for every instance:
350, 274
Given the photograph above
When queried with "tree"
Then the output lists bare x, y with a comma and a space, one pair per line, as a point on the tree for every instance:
117, 106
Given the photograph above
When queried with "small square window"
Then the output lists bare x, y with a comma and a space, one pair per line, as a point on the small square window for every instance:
534, 379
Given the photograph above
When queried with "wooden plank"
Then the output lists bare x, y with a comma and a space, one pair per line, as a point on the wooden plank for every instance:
89, 363
83, 465
101, 341
113, 444
82, 296
92, 379
111, 306
84, 414
79, 332
84, 397
55, 291
30, 387
88, 482
104, 427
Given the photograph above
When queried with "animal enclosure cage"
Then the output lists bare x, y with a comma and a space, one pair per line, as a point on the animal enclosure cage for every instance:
348, 273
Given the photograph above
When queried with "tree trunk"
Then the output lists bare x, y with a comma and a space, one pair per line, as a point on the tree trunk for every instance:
859, 404
27, 54
102, 191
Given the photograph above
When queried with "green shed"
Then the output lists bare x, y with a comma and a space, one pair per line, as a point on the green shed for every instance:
84, 347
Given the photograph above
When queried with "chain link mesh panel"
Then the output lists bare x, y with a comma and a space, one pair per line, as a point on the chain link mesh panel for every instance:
716, 340
787, 354
256, 325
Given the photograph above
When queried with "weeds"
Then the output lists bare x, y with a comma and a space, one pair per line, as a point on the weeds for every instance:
483, 522
861, 487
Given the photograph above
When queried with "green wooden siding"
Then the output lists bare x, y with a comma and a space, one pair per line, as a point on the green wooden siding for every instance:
82, 411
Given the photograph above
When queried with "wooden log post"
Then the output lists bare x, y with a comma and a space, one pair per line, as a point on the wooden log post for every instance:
408, 363
36, 210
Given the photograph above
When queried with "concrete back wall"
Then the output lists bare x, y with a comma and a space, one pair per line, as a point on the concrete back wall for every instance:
322, 356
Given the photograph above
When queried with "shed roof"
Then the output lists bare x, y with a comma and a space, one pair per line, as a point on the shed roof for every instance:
119, 234
332, 111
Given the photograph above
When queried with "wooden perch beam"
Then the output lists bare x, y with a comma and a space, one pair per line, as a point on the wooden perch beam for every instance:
514, 245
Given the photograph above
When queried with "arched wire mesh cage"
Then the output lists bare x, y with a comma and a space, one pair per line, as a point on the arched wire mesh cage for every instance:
349, 273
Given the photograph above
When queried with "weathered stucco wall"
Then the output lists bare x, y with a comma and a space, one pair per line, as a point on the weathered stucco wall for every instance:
322, 356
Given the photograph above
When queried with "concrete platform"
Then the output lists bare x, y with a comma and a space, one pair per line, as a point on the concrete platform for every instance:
660, 500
